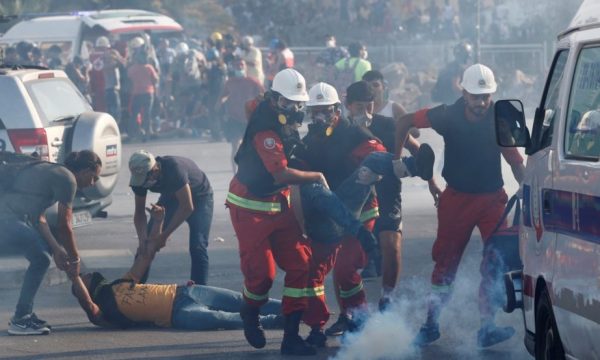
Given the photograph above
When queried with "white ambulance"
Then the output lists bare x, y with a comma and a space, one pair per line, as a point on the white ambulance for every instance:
558, 289
75, 33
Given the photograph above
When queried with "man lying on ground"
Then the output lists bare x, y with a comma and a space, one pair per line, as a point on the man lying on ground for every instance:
125, 303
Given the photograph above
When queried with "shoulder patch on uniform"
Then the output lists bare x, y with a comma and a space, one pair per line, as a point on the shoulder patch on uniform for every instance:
269, 143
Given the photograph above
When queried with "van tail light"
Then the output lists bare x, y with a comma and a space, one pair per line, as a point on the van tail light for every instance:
29, 141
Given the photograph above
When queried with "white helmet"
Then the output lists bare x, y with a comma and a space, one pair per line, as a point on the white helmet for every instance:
290, 84
136, 42
102, 41
247, 40
322, 94
479, 79
182, 48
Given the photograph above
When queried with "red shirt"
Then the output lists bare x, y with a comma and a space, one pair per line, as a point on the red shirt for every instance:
143, 77
239, 90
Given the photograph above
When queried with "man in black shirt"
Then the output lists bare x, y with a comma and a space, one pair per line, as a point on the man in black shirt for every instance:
186, 195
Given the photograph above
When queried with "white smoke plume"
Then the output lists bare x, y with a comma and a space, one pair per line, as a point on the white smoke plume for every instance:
389, 335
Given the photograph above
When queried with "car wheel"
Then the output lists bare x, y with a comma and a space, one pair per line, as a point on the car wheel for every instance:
548, 345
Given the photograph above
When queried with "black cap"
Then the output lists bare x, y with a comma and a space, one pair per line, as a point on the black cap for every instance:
359, 91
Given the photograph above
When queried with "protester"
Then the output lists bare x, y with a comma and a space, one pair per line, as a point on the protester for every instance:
143, 79
474, 196
447, 87
186, 195
29, 188
238, 89
253, 58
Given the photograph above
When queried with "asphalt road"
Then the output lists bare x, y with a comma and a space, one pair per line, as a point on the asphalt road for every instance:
108, 245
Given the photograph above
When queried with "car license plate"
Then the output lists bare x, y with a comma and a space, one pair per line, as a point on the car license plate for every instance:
82, 218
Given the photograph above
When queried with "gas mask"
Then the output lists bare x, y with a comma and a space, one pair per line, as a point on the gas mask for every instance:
289, 111
321, 123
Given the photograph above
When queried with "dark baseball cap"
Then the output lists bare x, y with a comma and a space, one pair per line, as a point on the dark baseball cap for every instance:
359, 91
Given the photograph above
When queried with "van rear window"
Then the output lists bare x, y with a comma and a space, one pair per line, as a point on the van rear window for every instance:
56, 98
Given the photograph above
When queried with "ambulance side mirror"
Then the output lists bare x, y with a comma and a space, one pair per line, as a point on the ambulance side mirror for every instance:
511, 130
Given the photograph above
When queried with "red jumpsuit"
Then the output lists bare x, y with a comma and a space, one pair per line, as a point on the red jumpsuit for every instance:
345, 258
269, 234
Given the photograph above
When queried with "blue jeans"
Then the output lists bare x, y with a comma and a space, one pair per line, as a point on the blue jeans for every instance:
329, 215
200, 307
21, 237
199, 223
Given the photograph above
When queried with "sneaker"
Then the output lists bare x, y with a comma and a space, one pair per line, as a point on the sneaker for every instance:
427, 334
384, 303
424, 162
26, 326
492, 335
39, 321
317, 338
339, 327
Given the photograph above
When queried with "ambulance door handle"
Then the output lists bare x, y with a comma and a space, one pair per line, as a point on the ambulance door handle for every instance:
546, 203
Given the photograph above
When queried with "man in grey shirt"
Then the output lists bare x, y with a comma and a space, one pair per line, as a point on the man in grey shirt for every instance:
23, 226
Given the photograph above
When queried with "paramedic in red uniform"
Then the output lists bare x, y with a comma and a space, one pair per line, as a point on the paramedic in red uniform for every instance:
258, 202
339, 148
474, 195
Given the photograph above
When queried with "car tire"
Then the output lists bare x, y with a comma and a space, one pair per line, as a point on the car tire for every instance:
548, 345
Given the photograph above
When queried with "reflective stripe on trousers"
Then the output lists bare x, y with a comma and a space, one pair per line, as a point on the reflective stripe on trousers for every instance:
369, 214
253, 204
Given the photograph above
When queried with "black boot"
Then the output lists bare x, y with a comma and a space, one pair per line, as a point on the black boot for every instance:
316, 337
253, 331
292, 343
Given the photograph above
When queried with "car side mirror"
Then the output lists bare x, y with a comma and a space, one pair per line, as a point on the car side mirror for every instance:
511, 130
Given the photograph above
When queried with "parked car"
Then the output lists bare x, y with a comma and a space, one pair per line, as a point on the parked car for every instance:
42, 112
558, 289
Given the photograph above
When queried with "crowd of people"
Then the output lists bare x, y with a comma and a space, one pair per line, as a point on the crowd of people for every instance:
328, 201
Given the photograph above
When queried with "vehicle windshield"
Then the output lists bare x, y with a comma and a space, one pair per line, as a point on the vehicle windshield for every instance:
55, 99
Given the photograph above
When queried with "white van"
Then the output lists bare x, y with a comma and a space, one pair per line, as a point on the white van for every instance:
559, 286
76, 33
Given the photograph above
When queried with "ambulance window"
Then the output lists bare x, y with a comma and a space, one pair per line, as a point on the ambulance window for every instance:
544, 126
582, 135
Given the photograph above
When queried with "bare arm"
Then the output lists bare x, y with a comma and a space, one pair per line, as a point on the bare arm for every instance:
60, 255
403, 125
66, 238
518, 171
294, 176
140, 221
184, 210
92, 310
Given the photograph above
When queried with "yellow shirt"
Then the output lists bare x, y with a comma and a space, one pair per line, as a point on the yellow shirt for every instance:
145, 302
